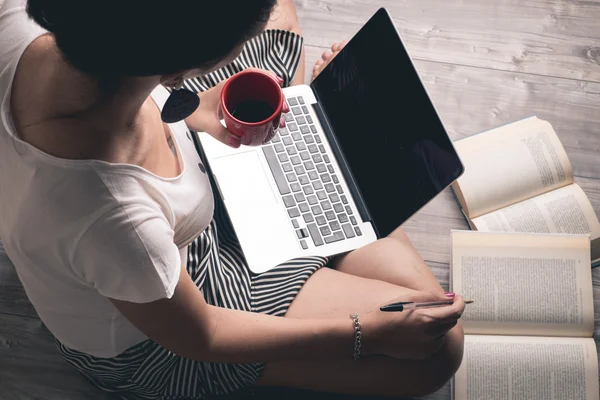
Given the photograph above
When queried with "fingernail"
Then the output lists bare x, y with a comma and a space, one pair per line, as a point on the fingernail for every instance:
235, 142
449, 294
279, 79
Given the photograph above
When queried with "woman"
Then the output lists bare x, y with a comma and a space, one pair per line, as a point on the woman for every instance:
107, 214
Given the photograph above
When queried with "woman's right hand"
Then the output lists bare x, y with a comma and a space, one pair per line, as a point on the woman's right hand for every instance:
413, 334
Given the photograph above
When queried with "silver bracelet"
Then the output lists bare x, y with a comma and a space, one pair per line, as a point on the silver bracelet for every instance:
357, 336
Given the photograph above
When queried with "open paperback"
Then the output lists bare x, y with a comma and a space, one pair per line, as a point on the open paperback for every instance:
528, 334
518, 178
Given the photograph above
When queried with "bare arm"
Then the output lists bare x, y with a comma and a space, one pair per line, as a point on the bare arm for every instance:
189, 327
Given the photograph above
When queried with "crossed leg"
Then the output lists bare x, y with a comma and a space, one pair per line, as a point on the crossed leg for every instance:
363, 280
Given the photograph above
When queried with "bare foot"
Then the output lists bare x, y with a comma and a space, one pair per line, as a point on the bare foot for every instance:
327, 56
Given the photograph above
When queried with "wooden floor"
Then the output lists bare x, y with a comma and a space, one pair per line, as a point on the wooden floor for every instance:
484, 62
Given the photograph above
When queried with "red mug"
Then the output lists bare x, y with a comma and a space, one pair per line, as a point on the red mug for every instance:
252, 103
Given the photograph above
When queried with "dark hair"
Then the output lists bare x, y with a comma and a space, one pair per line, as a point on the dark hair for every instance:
148, 37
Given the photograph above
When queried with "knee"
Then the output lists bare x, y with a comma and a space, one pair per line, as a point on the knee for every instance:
442, 366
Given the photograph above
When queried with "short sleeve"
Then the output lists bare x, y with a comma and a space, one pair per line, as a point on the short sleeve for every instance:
129, 254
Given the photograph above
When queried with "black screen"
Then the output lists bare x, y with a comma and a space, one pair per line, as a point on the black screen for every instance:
389, 132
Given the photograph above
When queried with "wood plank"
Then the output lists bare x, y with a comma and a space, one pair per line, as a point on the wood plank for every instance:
32, 368
471, 100
544, 37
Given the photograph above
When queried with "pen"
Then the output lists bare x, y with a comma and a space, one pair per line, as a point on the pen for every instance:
410, 305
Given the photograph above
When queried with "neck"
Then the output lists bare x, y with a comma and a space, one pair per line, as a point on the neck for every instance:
111, 110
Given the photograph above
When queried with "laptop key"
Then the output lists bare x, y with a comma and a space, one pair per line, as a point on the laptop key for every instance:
334, 198
297, 110
303, 207
353, 220
309, 165
344, 199
299, 169
343, 218
339, 189
288, 117
334, 225
321, 195
295, 186
276, 139
303, 179
308, 218
329, 188
293, 212
330, 215
322, 148
279, 147
326, 205
309, 139
325, 178
291, 150
289, 201
304, 129
301, 120
321, 220
287, 140
326, 158
313, 148
313, 175
309, 119
348, 210
330, 169
325, 231
291, 177
287, 167
303, 244
295, 160
317, 185
321, 168
313, 129
357, 231
315, 235
316, 210
295, 223
304, 155
335, 179
292, 126
305, 109
299, 197
317, 158
336, 237
348, 231
307, 190
296, 136
301, 146
312, 200
338, 207
318, 140
300, 99
292, 101
302, 233
276, 171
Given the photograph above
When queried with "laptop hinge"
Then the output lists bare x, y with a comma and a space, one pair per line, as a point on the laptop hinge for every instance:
335, 147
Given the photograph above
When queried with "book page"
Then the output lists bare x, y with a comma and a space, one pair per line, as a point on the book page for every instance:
524, 284
532, 368
565, 210
510, 164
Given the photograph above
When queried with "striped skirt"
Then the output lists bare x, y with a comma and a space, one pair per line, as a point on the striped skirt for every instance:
217, 266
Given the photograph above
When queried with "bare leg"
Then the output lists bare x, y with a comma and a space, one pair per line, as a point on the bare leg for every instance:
284, 17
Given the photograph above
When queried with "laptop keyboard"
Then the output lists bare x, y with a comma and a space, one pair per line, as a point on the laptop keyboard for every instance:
307, 181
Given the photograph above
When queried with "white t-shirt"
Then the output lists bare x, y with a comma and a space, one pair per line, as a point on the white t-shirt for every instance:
81, 231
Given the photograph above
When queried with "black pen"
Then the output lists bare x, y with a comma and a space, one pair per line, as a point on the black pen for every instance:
411, 305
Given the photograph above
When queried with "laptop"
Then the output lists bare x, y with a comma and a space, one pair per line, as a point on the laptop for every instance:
363, 150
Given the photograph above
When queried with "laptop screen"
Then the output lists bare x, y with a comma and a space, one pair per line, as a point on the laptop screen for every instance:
392, 139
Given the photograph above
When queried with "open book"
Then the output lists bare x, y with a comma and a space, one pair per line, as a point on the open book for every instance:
518, 179
528, 334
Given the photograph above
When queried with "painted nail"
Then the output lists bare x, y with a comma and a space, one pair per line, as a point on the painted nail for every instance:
279, 79
449, 294
235, 142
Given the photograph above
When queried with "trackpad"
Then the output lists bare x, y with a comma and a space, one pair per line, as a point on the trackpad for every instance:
256, 210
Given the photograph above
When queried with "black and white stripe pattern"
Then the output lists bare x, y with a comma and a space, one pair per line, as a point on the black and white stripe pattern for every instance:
217, 266
273, 50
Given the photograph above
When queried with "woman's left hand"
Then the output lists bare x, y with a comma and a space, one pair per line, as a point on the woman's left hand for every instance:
207, 118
